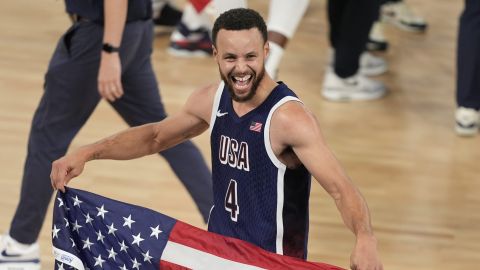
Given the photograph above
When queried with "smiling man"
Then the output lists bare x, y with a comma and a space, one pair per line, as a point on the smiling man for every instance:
265, 144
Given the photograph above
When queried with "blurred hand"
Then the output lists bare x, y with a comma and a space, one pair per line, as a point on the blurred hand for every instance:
66, 168
365, 255
109, 77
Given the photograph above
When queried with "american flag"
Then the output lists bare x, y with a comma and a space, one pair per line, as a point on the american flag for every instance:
93, 232
255, 126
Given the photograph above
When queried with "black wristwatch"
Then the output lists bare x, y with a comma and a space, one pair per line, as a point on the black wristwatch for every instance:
109, 48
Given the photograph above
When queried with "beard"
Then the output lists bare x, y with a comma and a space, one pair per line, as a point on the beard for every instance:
256, 79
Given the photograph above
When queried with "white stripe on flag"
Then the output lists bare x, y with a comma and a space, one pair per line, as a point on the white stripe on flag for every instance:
195, 259
67, 258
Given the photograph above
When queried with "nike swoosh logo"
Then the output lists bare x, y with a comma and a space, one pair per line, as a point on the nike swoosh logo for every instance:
220, 114
5, 254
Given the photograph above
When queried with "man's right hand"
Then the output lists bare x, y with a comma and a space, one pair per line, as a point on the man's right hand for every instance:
110, 77
66, 168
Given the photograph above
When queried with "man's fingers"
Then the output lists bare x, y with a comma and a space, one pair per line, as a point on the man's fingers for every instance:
57, 176
66, 179
118, 89
110, 91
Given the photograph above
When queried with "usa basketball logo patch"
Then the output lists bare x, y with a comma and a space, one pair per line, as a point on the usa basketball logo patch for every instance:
255, 126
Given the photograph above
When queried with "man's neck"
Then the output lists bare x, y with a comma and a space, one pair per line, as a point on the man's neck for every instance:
264, 89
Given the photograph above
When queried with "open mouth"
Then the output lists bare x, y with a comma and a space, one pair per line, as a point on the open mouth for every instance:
242, 82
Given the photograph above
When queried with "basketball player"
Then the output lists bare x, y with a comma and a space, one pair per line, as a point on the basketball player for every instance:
104, 54
264, 141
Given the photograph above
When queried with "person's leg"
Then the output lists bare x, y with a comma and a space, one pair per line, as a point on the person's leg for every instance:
335, 16
351, 33
69, 98
142, 104
468, 57
283, 19
165, 13
468, 69
350, 22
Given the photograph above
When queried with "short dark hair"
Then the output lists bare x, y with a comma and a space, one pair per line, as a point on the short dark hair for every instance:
239, 19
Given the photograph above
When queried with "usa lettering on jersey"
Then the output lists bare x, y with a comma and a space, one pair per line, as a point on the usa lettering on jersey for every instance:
233, 153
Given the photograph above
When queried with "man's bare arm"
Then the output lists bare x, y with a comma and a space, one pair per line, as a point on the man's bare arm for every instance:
136, 142
294, 126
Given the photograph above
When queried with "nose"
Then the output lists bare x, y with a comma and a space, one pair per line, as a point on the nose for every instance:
241, 66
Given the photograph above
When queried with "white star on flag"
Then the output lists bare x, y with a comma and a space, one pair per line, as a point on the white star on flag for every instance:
147, 257
76, 226
60, 266
55, 231
135, 263
76, 201
137, 239
100, 236
88, 219
87, 244
123, 247
128, 221
155, 231
60, 204
112, 254
101, 211
73, 242
66, 222
99, 261
111, 229
124, 267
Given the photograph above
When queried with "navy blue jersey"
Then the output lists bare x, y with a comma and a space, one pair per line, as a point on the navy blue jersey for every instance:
256, 197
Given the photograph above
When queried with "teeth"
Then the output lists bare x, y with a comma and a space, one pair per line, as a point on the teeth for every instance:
243, 79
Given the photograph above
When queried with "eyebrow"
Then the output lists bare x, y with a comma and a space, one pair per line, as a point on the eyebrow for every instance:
235, 55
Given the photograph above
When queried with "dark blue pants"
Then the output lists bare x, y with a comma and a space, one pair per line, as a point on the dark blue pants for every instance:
468, 56
69, 98
350, 24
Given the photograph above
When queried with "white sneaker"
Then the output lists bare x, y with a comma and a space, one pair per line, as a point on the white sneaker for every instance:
371, 65
357, 87
467, 121
400, 15
16, 256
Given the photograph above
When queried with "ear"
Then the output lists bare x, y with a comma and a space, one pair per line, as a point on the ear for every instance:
215, 52
266, 49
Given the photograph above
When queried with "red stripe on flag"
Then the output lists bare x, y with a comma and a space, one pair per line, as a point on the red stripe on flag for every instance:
238, 250
164, 265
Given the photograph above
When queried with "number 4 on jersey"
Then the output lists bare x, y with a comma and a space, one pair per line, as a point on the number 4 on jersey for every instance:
231, 203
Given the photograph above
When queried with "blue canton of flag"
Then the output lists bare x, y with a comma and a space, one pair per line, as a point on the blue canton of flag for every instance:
93, 232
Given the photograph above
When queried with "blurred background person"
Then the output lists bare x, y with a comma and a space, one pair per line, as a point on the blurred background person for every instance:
468, 71
346, 79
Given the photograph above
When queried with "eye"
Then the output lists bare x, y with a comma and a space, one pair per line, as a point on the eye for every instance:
251, 56
229, 58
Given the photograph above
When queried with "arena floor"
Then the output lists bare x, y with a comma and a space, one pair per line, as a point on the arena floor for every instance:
421, 181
